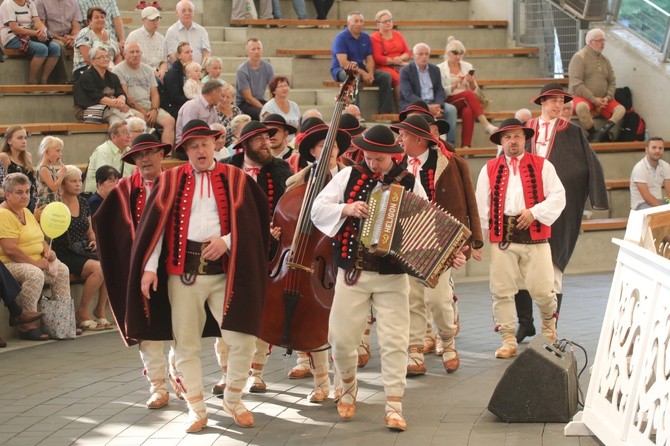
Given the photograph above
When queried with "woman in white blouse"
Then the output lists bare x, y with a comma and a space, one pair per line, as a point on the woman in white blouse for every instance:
280, 104
458, 80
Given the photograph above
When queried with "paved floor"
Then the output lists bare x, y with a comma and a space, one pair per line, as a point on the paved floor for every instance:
90, 392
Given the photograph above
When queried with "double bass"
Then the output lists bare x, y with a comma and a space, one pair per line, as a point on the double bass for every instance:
301, 280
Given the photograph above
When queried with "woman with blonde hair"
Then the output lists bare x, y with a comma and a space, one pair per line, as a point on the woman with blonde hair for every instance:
77, 249
15, 157
458, 80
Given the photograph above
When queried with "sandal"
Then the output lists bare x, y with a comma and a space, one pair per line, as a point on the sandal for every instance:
140, 5
89, 325
34, 334
104, 324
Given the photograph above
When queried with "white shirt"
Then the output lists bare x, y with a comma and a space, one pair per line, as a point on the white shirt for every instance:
544, 135
203, 222
422, 160
643, 172
327, 207
153, 46
546, 212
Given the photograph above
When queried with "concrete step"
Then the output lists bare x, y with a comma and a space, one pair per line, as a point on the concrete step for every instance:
167, 5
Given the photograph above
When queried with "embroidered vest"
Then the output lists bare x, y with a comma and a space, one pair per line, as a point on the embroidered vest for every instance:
530, 170
176, 229
345, 243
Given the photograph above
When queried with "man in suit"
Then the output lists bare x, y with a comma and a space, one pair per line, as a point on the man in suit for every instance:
420, 80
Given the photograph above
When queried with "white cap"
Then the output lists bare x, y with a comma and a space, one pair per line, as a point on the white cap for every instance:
150, 13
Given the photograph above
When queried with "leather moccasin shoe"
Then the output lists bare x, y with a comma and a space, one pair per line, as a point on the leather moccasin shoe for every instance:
240, 414
451, 365
395, 421
217, 389
193, 426
158, 400
299, 372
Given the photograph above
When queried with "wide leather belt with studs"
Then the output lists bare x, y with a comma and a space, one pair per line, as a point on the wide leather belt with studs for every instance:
195, 263
513, 235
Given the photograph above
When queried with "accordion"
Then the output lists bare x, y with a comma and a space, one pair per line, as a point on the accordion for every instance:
419, 234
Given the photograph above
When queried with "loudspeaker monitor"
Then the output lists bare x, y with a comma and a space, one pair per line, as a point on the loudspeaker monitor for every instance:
540, 386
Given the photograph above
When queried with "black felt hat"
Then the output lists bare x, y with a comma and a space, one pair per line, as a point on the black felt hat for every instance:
252, 129
195, 128
317, 133
417, 126
276, 119
145, 142
510, 124
415, 107
552, 89
351, 125
378, 139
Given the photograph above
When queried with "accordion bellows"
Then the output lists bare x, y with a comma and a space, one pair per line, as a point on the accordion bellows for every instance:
419, 234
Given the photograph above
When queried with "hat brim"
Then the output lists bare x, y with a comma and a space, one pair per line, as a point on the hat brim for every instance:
269, 130
355, 132
196, 134
128, 156
497, 135
371, 146
419, 133
412, 109
342, 140
567, 97
288, 127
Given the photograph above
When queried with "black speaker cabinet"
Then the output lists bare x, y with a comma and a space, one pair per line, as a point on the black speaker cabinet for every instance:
591, 10
540, 386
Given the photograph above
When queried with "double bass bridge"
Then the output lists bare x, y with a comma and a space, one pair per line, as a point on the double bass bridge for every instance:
294, 265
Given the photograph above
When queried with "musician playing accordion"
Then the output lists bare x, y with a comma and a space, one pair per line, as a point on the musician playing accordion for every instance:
365, 281
519, 196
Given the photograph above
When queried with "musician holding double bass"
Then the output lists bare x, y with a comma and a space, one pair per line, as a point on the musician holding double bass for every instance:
365, 281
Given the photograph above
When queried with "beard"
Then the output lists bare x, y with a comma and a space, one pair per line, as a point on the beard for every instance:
262, 157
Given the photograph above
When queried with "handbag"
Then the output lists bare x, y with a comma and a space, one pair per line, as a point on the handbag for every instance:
81, 247
94, 114
483, 100
58, 320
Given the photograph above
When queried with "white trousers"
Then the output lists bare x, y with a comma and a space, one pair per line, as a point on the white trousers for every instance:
188, 321
438, 301
387, 296
516, 267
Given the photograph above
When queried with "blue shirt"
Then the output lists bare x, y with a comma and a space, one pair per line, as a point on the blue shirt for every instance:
355, 49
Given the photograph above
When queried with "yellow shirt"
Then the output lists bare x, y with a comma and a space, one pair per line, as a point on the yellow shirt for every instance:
29, 236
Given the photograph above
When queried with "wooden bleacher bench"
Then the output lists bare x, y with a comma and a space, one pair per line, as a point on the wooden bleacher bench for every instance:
35, 88
167, 163
522, 82
604, 224
617, 183
69, 52
59, 127
318, 52
373, 24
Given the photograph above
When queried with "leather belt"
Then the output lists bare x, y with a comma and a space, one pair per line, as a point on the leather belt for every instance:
195, 263
513, 235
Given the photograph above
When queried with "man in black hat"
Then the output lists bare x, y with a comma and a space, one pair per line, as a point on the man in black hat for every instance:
446, 179
119, 215
579, 169
279, 141
200, 254
365, 281
350, 124
271, 174
519, 196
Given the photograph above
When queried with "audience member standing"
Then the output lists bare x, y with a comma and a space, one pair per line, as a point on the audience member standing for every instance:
186, 30
252, 79
354, 45
50, 170
22, 29
592, 83
152, 43
239, 10
112, 17
649, 175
